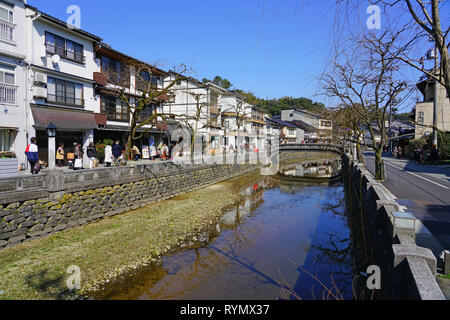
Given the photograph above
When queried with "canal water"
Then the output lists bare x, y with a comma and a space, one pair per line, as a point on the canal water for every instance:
284, 241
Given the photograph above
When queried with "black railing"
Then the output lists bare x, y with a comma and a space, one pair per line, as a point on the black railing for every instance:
8, 93
65, 54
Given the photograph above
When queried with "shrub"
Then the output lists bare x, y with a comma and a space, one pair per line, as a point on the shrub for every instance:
419, 143
444, 145
100, 147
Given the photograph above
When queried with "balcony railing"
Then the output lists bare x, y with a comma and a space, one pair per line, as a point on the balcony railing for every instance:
68, 101
8, 94
65, 54
7, 31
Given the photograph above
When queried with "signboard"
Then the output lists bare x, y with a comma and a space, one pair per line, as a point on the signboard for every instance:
145, 152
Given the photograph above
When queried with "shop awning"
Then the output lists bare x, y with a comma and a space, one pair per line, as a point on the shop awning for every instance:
63, 119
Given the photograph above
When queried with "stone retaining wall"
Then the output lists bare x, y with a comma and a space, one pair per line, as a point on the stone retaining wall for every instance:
57, 201
407, 271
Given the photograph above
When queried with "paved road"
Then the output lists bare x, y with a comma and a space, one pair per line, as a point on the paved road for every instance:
424, 190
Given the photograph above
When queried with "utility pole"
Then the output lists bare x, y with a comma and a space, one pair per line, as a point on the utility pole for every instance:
390, 128
435, 100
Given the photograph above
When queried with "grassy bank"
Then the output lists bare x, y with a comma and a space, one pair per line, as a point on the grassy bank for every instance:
111, 247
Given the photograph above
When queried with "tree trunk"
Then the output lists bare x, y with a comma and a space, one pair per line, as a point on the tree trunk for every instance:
358, 149
193, 137
128, 146
379, 165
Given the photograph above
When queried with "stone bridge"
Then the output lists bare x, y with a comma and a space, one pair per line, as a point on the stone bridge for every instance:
295, 147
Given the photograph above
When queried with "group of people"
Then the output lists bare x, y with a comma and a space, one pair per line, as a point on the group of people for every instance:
114, 154
421, 155
397, 152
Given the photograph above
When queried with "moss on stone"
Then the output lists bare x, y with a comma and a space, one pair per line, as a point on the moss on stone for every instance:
98, 248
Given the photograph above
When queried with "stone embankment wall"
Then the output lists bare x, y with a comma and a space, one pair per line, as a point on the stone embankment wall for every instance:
378, 238
36, 206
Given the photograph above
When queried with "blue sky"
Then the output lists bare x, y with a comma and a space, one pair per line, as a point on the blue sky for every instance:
272, 48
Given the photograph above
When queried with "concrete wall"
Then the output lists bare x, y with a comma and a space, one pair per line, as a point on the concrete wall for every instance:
407, 271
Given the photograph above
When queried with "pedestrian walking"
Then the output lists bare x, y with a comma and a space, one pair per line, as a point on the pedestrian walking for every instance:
400, 152
108, 156
32, 152
60, 155
395, 152
91, 154
79, 154
117, 152
78, 151
165, 152
136, 153
153, 152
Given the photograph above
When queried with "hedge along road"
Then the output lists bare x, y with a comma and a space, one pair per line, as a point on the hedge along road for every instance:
111, 247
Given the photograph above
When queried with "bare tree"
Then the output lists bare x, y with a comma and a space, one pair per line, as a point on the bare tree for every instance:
150, 93
200, 119
367, 84
238, 112
425, 19
349, 121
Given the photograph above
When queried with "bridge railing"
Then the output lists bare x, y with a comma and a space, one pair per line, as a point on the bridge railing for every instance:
311, 147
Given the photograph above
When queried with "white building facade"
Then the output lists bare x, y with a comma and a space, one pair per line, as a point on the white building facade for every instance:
13, 44
199, 106
61, 90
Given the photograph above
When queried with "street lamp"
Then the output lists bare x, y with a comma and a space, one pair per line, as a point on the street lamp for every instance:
51, 133
51, 130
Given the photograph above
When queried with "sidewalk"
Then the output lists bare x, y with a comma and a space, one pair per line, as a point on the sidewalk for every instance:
229, 159
423, 190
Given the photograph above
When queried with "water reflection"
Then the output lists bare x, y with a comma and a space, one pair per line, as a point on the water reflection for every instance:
278, 243
323, 169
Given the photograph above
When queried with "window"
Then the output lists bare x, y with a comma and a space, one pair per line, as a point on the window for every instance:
6, 14
8, 90
6, 24
115, 109
64, 92
214, 143
214, 100
66, 49
147, 112
421, 118
291, 132
326, 124
7, 75
117, 72
6, 140
144, 79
